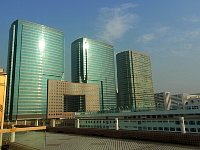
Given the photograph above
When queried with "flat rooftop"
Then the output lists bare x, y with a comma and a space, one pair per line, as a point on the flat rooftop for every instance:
56, 141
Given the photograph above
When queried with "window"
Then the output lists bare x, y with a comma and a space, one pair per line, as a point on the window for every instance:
172, 129
192, 122
193, 130
166, 129
144, 128
154, 128
160, 128
198, 122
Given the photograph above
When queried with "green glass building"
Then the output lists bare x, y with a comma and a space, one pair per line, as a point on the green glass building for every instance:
135, 87
93, 62
35, 54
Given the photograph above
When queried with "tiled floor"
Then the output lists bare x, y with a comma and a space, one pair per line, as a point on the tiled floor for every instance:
55, 141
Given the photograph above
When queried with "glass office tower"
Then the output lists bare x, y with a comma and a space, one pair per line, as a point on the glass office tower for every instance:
93, 62
35, 54
135, 85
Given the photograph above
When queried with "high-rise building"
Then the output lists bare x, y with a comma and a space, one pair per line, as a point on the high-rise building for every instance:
35, 54
135, 81
93, 62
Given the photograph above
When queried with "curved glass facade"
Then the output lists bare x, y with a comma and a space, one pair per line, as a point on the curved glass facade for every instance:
135, 81
93, 62
36, 54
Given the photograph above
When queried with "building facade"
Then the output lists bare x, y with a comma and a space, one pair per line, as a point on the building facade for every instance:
167, 101
178, 100
163, 100
35, 54
3, 83
135, 81
179, 121
62, 98
93, 62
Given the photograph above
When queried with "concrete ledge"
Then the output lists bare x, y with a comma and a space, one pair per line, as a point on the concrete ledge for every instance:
165, 137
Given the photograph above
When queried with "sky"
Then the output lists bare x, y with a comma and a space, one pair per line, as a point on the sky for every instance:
167, 30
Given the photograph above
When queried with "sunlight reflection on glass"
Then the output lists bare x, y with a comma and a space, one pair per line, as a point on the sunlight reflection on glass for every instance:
41, 45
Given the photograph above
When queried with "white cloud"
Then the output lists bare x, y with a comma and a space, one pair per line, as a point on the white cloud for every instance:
163, 29
146, 38
155, 34
115, 22
194, 33
193, 19
171, 41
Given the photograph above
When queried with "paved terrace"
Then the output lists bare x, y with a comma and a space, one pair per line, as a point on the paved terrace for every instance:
56, 141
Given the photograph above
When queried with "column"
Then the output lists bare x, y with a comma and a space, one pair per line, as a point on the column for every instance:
181, 119
77, 123
12, 136
116, 124
36, 122
53, 122
25, 122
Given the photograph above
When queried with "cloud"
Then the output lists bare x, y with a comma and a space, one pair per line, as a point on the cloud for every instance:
170, 41
115, 22
163, 29
146, 38
193, 19
155, 34
194, 33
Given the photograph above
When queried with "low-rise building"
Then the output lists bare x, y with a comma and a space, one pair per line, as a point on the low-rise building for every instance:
162, 100
3, 81
65, 97
167, 101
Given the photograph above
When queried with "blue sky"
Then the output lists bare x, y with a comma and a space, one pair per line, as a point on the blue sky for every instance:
167, 30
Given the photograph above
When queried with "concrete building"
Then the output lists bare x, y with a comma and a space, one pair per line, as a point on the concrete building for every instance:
179, 121
178, 100
35, 54
93, 62
3, 83
166, 101
162, 100
62, 98
135, 81
192, 102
